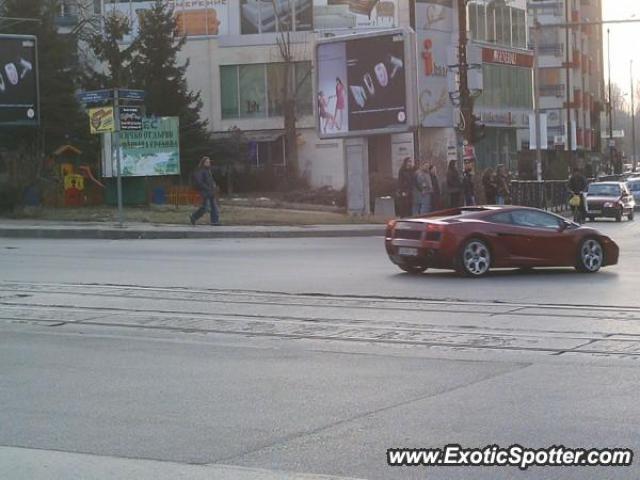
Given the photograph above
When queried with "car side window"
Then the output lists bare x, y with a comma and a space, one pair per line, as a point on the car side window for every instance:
534, 219
503, 218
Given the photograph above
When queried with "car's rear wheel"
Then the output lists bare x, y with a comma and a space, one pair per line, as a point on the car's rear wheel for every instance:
414, 269
475, 258
590, 256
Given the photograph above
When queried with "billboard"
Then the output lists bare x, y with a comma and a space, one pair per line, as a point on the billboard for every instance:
434, 26
152, 151
354, 14
194, 17
364, 84
19, 91
101, 120
262, 17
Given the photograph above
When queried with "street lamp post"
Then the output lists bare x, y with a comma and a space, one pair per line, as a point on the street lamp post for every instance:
610, 104
633, 121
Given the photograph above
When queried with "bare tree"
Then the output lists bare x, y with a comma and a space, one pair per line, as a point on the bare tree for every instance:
291, 49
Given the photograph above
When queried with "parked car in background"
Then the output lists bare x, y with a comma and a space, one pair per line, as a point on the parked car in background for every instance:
609, 200
473, 240
634, 187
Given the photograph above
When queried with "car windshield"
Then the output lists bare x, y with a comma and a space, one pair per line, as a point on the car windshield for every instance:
634, 186
604, 190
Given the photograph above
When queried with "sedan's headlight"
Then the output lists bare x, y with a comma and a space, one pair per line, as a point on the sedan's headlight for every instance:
609, 205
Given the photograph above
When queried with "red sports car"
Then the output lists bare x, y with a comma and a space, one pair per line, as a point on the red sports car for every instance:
472, 240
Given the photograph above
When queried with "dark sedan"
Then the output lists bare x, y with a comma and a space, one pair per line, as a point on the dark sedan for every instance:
609, 200
472, 240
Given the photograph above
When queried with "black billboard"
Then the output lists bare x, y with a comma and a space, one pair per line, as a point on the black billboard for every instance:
364, 84
19, 102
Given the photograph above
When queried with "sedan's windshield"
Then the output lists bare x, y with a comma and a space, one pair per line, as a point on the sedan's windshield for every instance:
634, 186
604, 190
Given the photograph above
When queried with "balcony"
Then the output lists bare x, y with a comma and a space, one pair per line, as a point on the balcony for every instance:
552, 90
552, 49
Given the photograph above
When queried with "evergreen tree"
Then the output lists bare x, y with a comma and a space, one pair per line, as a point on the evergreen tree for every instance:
115, 59
62, 119
156, 70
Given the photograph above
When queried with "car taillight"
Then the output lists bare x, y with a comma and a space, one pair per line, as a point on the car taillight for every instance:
434, 233
389, 229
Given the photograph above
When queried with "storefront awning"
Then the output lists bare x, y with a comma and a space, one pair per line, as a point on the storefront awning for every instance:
253, 135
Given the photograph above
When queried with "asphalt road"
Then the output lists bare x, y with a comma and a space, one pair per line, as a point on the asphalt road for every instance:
304, 355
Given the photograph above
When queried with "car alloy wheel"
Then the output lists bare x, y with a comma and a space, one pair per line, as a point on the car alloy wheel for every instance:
476, 258
591, 255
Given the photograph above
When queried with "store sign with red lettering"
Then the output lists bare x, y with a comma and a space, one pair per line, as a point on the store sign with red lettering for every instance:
507, 57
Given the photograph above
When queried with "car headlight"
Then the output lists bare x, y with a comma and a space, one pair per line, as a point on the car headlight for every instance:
609, 205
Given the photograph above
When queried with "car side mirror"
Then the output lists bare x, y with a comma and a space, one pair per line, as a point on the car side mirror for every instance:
564, 225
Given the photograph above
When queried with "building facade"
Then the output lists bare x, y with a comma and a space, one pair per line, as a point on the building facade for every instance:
571, 72
500, 79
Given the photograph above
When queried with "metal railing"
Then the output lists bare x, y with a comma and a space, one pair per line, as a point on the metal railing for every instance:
548, 194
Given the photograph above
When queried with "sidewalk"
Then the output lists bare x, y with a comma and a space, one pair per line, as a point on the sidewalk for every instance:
137, 230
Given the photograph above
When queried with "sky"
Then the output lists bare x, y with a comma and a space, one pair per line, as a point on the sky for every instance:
625, 42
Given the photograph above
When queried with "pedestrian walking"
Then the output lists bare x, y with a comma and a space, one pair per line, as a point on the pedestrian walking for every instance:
406, 179
435, 184
206, 185
503, 192
454, 185
423, 189
468, 187
490, 186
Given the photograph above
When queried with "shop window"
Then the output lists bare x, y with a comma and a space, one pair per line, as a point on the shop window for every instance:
229, 91
257, 91
304, 85
251, 83
276, 84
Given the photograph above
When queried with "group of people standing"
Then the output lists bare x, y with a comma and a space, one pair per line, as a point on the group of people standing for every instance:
419, 187
496, 185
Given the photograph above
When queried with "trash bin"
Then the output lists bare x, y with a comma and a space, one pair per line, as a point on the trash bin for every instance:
384, 207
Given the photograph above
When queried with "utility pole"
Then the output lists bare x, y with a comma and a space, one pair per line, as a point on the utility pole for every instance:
633, 121
536, 80
610, 109
466, 102
569, 139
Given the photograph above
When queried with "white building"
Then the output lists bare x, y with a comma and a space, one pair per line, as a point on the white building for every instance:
571, 74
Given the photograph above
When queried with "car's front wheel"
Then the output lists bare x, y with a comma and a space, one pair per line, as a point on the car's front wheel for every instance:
475, 258
590, 256
414, 269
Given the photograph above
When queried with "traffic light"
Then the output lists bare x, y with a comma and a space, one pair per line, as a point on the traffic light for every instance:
477, 130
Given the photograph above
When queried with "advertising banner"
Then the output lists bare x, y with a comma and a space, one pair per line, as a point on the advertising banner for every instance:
363, 83
101, 120
262, 17
434, 24
19, 102
354, 14
152, 151
131, 118
194, 17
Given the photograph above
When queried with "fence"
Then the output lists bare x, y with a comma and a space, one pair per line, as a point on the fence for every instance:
548, 194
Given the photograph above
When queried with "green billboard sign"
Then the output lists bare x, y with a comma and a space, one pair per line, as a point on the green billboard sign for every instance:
152, 151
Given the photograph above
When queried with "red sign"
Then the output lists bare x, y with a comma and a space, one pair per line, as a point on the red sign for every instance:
507, 57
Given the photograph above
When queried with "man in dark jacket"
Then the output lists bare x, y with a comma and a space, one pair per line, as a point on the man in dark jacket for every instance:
206, 185
577, 186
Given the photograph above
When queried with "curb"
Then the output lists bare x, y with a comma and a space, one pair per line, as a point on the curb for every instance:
117, 233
